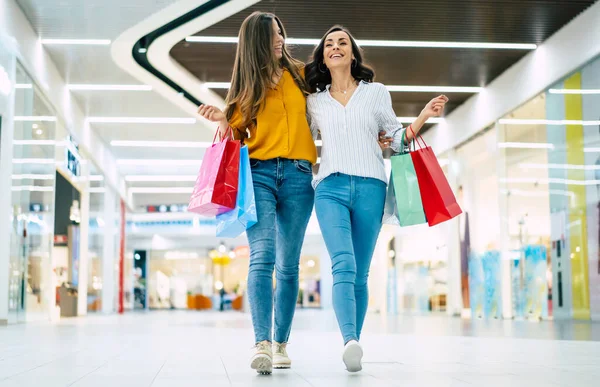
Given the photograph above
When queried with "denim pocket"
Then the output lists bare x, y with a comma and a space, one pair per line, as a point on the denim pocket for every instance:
304, 166
254, 163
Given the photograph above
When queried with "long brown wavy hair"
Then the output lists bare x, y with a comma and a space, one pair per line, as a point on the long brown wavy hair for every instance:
256, 65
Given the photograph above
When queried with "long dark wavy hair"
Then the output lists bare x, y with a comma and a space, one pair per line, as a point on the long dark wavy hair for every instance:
255, 66
318, 75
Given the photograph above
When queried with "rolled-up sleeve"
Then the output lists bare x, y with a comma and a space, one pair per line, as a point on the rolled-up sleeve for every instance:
388, 121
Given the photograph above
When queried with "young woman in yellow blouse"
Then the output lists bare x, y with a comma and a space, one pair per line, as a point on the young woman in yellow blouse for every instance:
266, 107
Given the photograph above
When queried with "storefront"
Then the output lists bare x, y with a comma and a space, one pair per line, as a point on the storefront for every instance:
551, 183
55, 263
417, 258
528, 241
199, 278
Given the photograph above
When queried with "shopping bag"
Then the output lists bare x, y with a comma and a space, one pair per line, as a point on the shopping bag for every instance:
390, 210
439, 202
233, 223
216, 187
406, 188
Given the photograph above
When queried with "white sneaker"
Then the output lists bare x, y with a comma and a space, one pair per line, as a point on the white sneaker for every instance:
262, 361
280, 356
353, 354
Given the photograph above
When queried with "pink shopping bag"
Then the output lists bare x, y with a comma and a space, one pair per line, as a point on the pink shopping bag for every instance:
216, 188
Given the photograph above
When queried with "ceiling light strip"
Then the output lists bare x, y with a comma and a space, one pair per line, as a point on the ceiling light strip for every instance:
217, 85
160, 144
533, 180
32, 188
33, 161
525, 145
161, 190
410, 120
158, 162
35, 118
35, 142
434, 89
577, 167
86, 87
84, 42
33, 176
544, 193
574, 91
516, 121
141, 120
381, 43
391, 88
160, 178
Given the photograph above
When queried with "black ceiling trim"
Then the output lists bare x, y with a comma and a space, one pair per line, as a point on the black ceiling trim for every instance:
140, 48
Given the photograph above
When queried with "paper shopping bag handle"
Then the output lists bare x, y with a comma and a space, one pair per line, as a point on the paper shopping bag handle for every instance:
417, 138
228, 133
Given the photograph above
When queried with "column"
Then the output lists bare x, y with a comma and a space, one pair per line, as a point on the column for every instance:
562, 305
109, 259
577, 213
82, 289
7, 67
454, 301
504, 238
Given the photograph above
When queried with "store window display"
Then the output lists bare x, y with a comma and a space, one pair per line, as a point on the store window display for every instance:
479, 228
32, 196
549, 182
96, 242
528, 194
421, 266
309, 295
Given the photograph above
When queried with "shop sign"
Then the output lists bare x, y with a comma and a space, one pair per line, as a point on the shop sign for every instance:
72, 157
167, 208
60, 240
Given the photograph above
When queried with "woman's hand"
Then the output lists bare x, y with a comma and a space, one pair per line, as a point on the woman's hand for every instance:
435, 107
215, 114
384, 141
211, 113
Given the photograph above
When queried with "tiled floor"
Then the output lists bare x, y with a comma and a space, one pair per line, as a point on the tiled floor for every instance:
181, 349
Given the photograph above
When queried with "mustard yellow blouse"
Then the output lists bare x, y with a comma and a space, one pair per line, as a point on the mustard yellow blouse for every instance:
281, 129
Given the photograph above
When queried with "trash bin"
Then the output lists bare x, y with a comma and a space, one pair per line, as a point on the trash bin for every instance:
68, 300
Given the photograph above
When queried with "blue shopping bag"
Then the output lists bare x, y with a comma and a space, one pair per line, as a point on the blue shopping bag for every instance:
233, 223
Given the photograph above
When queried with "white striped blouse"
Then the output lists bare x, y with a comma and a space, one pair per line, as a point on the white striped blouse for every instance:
350, 134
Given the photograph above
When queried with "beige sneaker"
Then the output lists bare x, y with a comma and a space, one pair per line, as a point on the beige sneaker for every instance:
280, 356
262, 361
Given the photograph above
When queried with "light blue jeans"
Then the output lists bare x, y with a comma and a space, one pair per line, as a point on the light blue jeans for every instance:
284, 203
350, 210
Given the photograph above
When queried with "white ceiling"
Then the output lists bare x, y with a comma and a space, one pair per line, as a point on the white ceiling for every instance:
88, 19
108, 19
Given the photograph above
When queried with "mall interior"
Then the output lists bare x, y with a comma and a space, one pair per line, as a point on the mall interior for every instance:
107, 279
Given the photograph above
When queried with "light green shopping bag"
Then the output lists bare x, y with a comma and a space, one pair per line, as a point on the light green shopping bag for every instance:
406, 188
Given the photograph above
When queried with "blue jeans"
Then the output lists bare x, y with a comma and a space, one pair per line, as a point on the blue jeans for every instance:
284, 203
350, 210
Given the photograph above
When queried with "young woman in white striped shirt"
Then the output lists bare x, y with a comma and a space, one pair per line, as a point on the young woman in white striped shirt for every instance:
349, 111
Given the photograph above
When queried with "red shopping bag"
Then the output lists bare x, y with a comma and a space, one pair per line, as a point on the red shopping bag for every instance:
438, 199
216, 188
